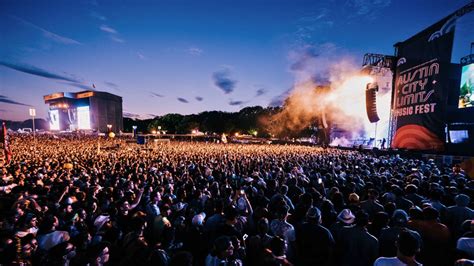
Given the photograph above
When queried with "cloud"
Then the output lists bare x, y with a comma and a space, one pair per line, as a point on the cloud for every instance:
79, 85
131, 115
182, 100
117, 39
48, 34
315, 16
37, 71
97, 16
223, 81
366, 7
260, 92
157, 94
5, 99
3, 111
313, 24
113, 33
310, 62
141, 56
199, 98
195, 51
112, 85
280, 99
108, 29
234, 103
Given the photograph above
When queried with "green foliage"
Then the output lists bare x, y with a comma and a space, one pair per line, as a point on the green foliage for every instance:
246, 121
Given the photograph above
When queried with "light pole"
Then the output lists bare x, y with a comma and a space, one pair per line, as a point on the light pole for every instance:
110, 133
134, 131
33, 114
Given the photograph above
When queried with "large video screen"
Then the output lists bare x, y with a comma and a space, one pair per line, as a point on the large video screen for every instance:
459, 136
83, 117
466, 96
53, 120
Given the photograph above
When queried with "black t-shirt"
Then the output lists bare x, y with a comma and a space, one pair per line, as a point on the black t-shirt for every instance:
314, 244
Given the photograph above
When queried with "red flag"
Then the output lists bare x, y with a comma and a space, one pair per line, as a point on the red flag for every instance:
6, 144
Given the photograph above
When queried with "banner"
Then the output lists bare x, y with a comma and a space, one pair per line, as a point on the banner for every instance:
421, 85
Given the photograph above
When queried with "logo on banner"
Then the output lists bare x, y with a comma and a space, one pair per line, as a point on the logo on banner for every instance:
414, 94
401, 61
447, 27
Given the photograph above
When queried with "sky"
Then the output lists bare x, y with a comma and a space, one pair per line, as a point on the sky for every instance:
188, 56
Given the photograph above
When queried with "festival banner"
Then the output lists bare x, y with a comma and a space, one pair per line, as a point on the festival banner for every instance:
421, 86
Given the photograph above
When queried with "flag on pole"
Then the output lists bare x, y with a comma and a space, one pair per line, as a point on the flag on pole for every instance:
6, 144
224, 138
93, 85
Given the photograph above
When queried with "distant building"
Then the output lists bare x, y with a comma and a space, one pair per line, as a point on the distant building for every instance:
86, 110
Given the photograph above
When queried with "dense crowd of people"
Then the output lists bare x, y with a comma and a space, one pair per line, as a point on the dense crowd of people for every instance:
78, 200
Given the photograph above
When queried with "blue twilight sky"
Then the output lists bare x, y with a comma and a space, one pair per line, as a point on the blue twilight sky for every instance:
190, 56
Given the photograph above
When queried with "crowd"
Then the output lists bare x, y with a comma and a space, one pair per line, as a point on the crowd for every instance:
78, 200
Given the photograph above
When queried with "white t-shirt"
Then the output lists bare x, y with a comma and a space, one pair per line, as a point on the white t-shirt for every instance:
52, 239
393, 261
466, 244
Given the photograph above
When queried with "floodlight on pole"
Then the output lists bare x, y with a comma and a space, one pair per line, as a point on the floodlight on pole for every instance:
33, 114
134, 131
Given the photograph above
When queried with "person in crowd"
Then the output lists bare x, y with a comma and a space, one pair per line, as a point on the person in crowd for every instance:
280, 227
434, 200
465, 244
354, 203
221, 254
436, 238
48, 236
228, 228
308, 251
388, 236
278, 248
371, 206
456, 215
355, 246
412, 195
379, 223
407, 248
344, 219
98, 254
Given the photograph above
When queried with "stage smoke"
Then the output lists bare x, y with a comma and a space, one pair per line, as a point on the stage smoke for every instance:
335, 86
